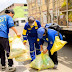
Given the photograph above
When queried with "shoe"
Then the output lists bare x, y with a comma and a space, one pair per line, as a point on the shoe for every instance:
55, 67
3, 68
11, 69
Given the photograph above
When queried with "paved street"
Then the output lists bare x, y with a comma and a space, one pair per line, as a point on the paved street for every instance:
64, 57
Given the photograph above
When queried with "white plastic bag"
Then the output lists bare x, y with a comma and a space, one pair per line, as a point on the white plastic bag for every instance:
17, 48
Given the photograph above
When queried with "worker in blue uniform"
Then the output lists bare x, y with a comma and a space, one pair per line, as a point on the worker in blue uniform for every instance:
6, 22
30, 33
48, 35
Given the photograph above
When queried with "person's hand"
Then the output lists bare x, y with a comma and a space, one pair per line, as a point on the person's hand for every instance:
44, 52
24, 43
41, 49
18, 34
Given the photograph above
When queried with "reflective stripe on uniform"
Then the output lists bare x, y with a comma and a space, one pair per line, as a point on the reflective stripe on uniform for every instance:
38, 39
25, 41
24, 32
24, 36
32, 51
47, 39
37, 49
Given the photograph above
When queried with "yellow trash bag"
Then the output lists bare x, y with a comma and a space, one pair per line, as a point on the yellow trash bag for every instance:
47, 62
23, 57
17, 48
10, 39
37, 63
58, 44
42, 61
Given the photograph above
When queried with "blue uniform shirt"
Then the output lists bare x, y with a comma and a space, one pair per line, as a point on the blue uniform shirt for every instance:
31, 31
50, 38
6, 22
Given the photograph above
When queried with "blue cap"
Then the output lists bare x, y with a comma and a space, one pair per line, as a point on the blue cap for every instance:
48, 25
40, 32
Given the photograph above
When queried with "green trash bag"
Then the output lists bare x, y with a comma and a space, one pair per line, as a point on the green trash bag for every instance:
42, 61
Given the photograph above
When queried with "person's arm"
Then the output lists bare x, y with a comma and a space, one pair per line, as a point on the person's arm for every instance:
14, 29
61, 37
41, 47
41, 42
39, 25
25, 34
11, 25
51, 42
45, 51
52, 39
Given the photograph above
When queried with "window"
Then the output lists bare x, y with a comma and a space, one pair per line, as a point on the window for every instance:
22, 21
25, 15
25, 9
17, 23
25, 4
38, 2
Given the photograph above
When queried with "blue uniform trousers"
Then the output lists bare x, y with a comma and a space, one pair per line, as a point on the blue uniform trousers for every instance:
33, 44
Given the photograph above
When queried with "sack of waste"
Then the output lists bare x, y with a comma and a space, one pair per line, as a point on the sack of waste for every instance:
42, 61
23, 57
58, 44
17, 48
10, 39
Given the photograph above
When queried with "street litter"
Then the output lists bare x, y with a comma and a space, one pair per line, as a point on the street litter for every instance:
42, 61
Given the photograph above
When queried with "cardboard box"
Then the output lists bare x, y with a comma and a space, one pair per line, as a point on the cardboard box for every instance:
62, 20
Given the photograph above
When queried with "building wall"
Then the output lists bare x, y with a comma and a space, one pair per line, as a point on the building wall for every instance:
26, 11
20, 12
45, 12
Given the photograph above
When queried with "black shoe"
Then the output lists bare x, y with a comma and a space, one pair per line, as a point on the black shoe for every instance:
11, 69
3, 68
55, 67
